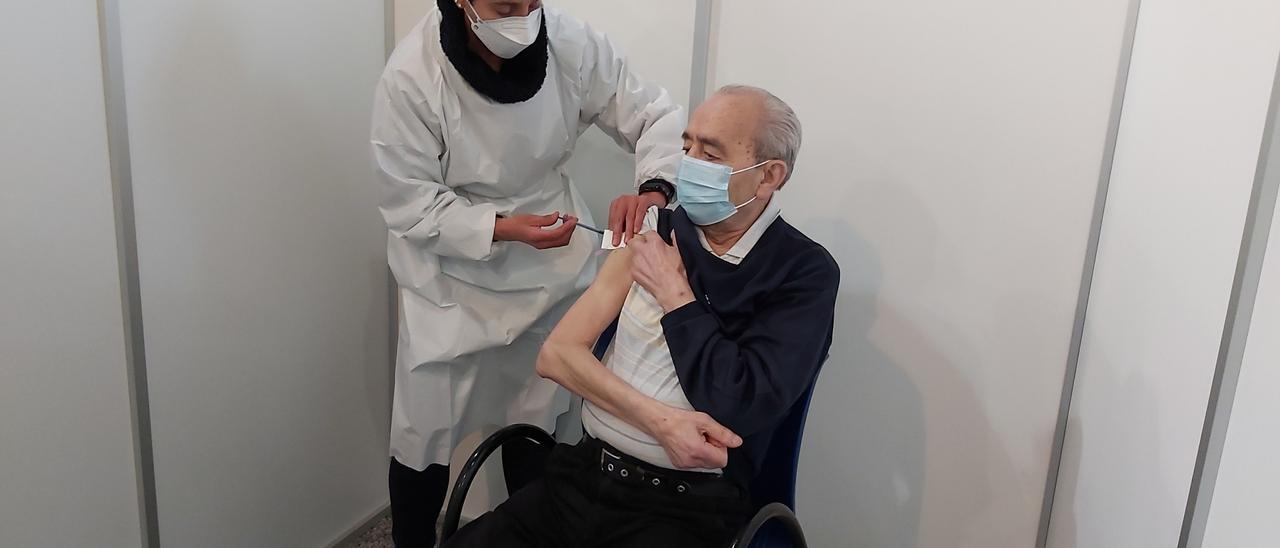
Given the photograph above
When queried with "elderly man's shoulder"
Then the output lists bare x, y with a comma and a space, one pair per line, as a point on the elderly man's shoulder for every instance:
809, 258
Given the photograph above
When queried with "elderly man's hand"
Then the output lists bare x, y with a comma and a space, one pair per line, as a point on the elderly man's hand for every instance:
694, 440
658, 268
626, 214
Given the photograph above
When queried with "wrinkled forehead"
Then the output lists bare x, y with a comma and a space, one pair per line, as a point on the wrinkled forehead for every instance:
730, 120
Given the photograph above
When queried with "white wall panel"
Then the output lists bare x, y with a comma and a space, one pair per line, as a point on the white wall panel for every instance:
408, 13
1198, 92
67, 473
1245, 498
951, 160
262, 262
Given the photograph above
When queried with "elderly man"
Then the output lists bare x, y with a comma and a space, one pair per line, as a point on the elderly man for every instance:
724, 321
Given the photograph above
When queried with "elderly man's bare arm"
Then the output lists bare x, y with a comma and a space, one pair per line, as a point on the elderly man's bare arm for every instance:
691, 439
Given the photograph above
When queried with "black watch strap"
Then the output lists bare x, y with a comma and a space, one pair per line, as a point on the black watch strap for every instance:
658, 185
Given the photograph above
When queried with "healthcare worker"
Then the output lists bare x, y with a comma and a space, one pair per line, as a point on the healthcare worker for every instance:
475, 118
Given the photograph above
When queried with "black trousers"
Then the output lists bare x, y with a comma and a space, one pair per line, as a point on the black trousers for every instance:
578, 503
417, 497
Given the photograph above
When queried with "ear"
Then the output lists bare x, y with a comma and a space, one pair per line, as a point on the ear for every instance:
775, 175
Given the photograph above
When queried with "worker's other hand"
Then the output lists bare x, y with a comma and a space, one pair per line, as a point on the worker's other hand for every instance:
535, 230
626, 214
659, 269
694, 440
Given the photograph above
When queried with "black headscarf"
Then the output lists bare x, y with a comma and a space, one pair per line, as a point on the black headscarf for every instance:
521, 76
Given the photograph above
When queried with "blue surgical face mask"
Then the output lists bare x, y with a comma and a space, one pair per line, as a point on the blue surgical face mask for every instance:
702, 188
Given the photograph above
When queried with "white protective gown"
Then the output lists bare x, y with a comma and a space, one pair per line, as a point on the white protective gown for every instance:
473, 313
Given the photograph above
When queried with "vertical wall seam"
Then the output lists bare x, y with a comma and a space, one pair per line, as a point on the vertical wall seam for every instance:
1087, 273
393, 287
110, 47
389, 26
698, 67
1235, 332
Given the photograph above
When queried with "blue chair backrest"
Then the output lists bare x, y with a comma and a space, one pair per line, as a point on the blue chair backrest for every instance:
776, 481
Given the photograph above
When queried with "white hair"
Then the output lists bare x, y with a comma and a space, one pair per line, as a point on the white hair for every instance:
779, 134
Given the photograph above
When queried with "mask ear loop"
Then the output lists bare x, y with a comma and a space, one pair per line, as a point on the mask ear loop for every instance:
475, 16
749, 168
753, 198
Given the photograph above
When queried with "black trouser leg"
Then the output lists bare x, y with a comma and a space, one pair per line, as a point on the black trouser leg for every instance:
522, 462
416, 499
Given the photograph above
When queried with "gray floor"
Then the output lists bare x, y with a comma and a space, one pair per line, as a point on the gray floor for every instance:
377, 537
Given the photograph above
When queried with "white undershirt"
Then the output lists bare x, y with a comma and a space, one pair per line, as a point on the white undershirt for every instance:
640, 356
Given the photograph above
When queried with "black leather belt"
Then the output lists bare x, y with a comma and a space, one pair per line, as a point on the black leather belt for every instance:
627, 469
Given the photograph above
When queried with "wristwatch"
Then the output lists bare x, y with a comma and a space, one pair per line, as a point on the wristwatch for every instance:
658, 185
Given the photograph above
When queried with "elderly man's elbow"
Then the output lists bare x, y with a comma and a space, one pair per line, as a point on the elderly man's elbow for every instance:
549, 364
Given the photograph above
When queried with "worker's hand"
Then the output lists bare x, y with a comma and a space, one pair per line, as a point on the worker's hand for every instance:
533, 230
626, 214
658, 268
694, 440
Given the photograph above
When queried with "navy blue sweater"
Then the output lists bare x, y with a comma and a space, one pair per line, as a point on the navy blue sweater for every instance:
752, 341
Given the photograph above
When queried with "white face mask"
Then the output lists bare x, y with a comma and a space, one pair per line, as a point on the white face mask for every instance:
509, 36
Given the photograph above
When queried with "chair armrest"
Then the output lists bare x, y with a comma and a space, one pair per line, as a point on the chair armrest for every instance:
776, 511
468, 475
